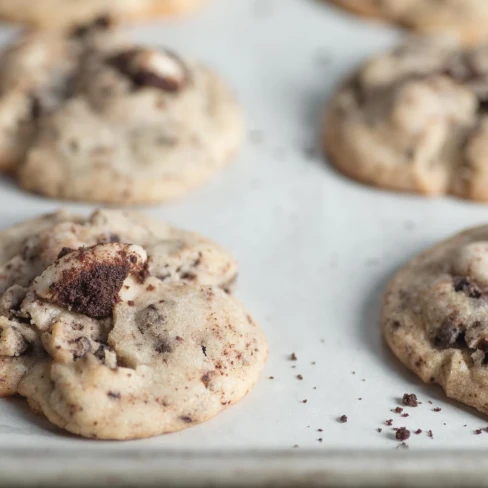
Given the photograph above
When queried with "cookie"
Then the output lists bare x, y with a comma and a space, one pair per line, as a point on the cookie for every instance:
434, 316
119, 327
60, 13
414, 119
464, 19
104, 120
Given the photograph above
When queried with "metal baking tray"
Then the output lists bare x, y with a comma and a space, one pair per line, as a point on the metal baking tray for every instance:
316, 251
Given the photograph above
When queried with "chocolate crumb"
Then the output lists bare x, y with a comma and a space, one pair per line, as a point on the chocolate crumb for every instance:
379, 429
320, 430
389, 422
299, 377
430, 434
113, 394
429, 401
304, 401
478, 431
271, 377
410, 400
320, 439
402, 434
436, 409
130, 303
293, 357
418, 431
398, 410
404, 414
343, 419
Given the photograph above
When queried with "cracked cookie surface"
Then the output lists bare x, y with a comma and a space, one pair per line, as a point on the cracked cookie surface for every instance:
86, 115
415, 119
117, 326
435, 316
60, 13
465, 19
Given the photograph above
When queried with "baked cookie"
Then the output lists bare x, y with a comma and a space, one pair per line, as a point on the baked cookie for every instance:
61, 13
121, 327
465, 19
89, 116
434, 316
415, 119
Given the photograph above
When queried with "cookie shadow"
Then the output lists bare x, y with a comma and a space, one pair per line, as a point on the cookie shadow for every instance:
371, 336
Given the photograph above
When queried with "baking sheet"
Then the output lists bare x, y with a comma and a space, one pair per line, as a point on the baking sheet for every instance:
315, 252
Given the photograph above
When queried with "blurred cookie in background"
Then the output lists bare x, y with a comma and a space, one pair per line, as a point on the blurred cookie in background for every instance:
465, 19
415, 119
88, 115
61, 13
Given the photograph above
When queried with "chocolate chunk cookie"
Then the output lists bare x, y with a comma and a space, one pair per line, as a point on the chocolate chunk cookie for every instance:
434, 316
415, 119
89, 116
464, 19
116, 326
61, 13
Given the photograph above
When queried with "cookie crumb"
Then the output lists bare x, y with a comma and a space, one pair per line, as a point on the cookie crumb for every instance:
429, 401
410, 400
402, 434
343, 419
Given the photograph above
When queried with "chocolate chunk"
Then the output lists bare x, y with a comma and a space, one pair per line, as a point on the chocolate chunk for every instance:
125, 63
449, 334
464, 285
410, 400
113, 394
186, 419
402, 434
343, 419
163, 347
92, 291
204, 350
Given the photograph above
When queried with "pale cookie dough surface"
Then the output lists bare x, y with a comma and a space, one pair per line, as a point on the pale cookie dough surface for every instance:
415, 119
86, 115
60, 13
465, 19
117, 326
435, 316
